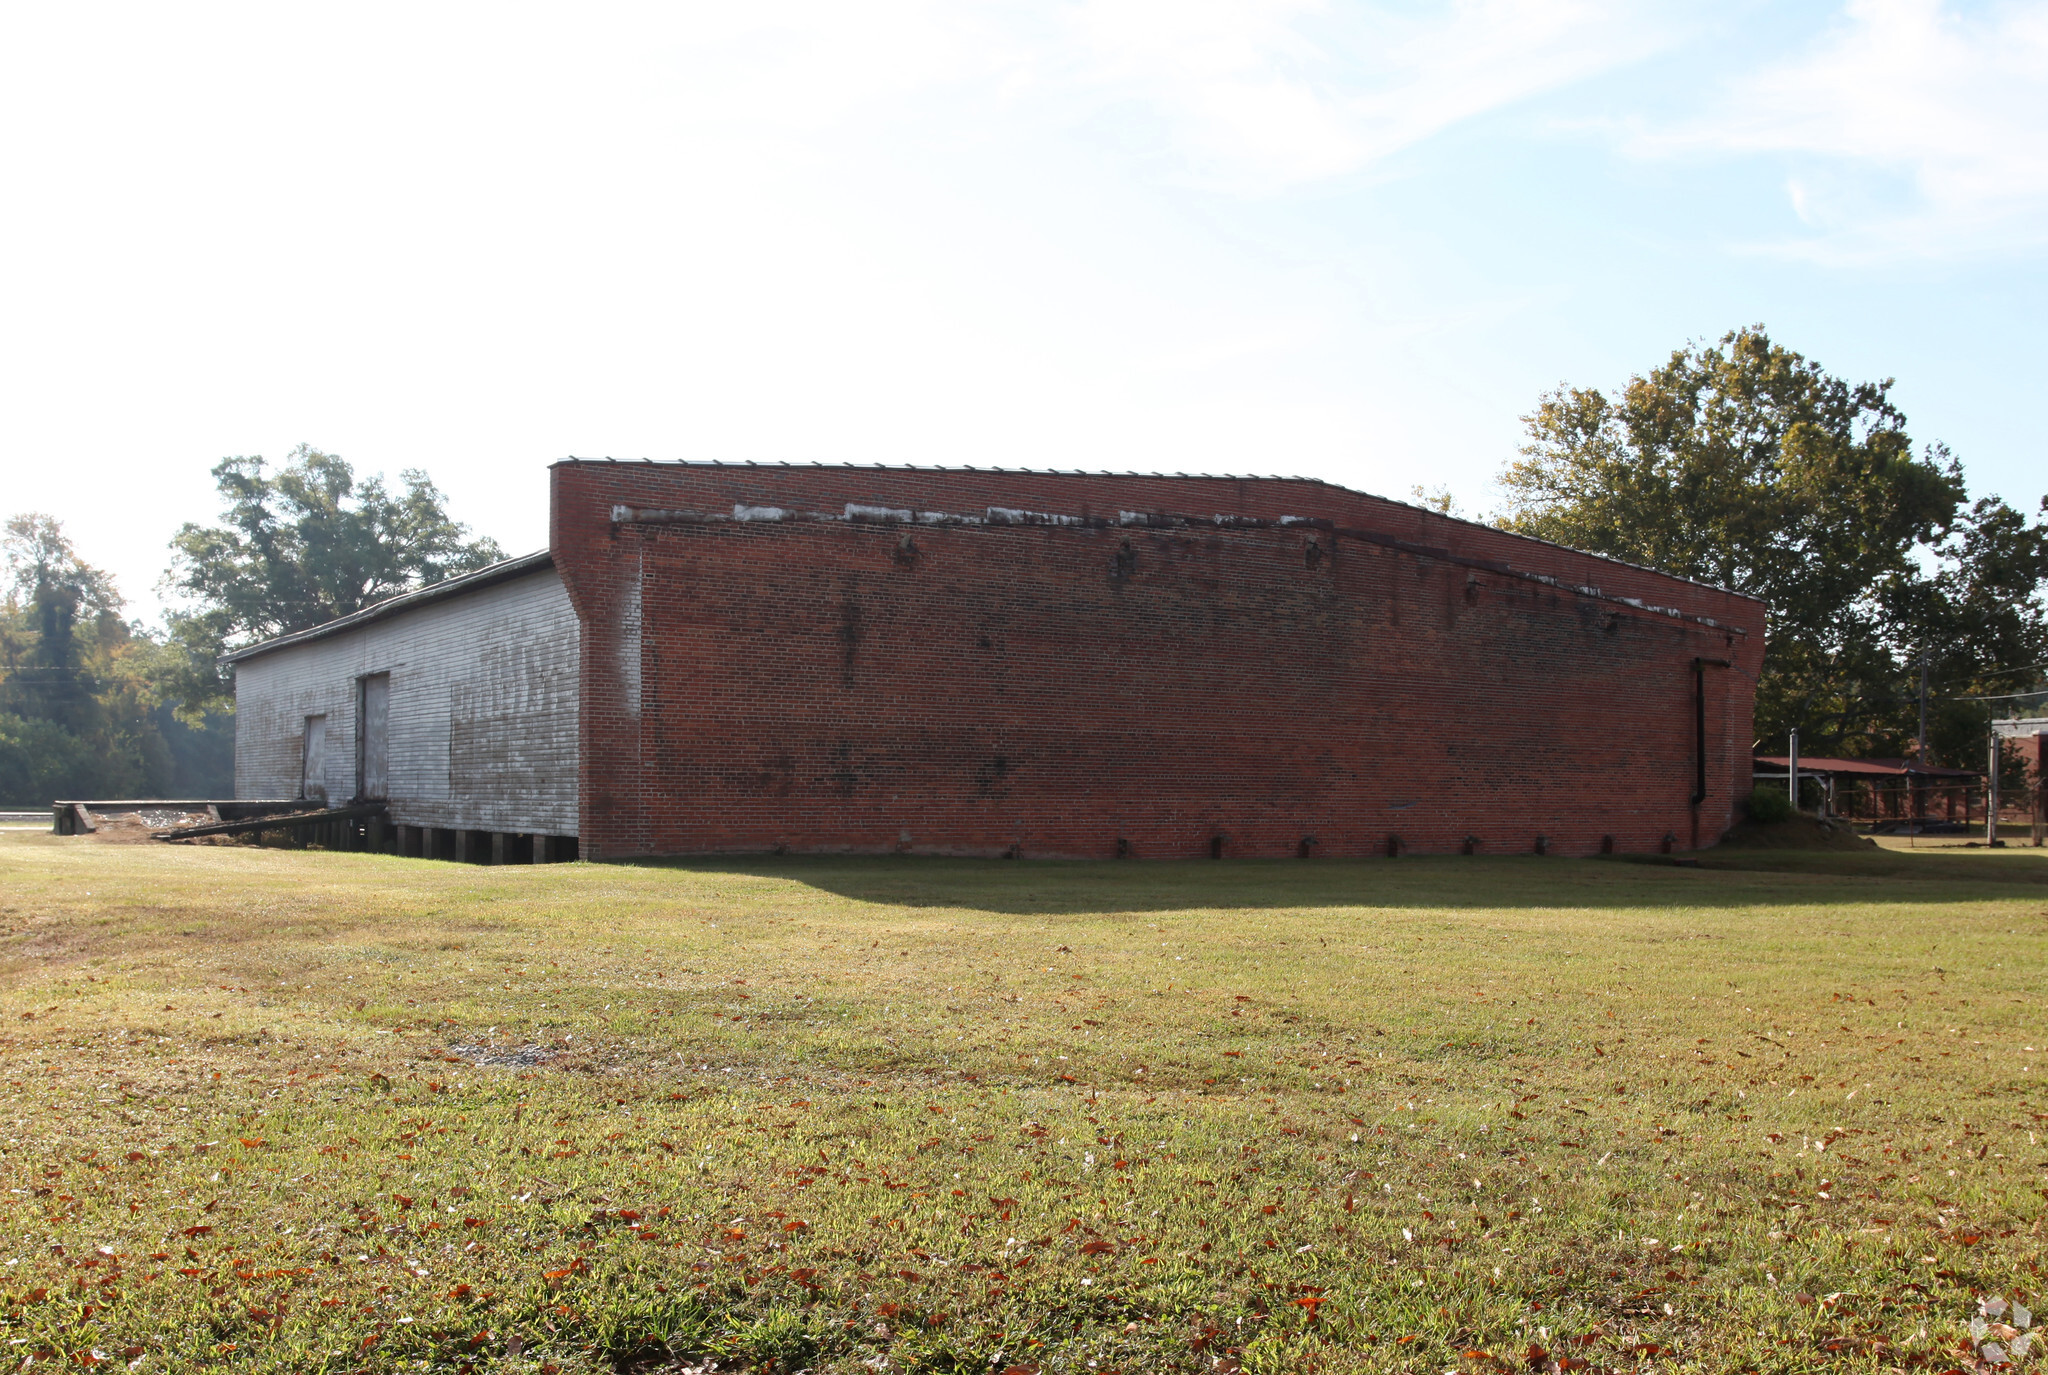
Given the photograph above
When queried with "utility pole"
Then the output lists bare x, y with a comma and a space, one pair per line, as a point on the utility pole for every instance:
1991, 794
1919, 794
1923, 710
1792, 780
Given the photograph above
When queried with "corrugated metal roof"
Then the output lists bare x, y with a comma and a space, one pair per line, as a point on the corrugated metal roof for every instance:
502, 571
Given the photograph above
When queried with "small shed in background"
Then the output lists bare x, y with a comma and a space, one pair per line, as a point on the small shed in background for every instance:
2029, 735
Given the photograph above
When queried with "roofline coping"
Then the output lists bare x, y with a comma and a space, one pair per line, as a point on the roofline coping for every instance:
573, 461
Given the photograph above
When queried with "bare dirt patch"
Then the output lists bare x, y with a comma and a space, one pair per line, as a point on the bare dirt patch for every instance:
503, 1057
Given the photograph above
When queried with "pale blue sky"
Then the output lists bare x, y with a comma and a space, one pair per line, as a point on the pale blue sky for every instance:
1271, 236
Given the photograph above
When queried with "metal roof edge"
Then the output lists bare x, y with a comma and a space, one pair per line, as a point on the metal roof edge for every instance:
488, 576
573, 460
1813, 763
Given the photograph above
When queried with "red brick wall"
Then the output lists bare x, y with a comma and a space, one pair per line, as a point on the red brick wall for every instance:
814, 687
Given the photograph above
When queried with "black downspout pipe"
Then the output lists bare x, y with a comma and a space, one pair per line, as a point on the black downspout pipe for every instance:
1699, 725
1699, 731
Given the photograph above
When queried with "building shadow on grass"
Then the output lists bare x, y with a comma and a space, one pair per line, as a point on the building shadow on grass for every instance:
1033, 887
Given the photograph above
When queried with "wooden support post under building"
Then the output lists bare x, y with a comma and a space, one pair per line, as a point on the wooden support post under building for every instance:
372, 830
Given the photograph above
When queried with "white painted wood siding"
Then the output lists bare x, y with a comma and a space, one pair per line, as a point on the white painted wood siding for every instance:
482, 727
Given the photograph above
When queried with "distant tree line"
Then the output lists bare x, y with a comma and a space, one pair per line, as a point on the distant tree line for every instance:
80, 710
1739, 463
95, 705
1745, 465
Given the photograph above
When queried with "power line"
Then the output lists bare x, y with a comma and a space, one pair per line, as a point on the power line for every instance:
2006, 696
1995, 672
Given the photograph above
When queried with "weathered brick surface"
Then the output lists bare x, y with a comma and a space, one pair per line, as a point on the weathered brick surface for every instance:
482, 729
818, 687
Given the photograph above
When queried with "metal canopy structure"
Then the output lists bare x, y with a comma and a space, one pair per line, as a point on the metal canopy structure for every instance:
1881, 790
1863, 768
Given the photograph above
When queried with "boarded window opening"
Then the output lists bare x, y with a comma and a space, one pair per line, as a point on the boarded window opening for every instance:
313, 760
373, 729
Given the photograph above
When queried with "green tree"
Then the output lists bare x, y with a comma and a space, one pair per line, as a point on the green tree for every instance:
1746, 465
300, 546
1981, 623
1437, 498
53, 590
76, 680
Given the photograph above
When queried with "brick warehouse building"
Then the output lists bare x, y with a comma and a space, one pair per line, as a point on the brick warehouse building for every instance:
734, 657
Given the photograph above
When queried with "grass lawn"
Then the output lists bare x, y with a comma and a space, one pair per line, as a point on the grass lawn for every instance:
276, 1110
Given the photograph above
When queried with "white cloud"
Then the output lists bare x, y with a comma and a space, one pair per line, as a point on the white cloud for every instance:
1255, 95
1914, 130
